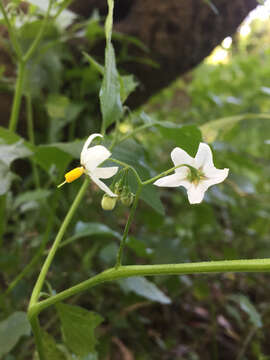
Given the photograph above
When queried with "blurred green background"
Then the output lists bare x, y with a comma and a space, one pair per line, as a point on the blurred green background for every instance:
181, 317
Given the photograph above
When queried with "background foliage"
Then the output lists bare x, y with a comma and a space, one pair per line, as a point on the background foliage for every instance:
170, 317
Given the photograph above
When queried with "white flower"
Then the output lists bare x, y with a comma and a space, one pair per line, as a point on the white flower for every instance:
91, 158
198, 181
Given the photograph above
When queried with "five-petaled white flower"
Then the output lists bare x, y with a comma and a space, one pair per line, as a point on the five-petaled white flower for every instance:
198, 179
91, 158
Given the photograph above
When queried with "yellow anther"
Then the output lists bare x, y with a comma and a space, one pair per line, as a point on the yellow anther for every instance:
72, 175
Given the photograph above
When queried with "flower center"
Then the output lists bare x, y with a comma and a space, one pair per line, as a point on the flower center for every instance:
195, 175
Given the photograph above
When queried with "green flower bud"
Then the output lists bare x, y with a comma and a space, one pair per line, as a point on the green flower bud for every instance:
108, 203
118, 188
127, 199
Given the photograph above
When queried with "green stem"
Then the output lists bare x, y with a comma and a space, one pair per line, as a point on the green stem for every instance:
17, 97
127, 227
137, 130
62, 7
164, 173
31, 134
34, 321
2, 218
222, 266
129, 167
37, 39
12, 34
61, 232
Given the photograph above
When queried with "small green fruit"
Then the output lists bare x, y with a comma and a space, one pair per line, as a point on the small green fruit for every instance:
108, 203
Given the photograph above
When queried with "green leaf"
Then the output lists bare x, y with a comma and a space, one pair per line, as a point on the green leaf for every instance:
78, 327
11, 330
47, 156
186, 137
245, 304
61, 112
52, 351
6, 178
127, 86
88, 229
29, 196
110, 99
143, 287
132, 153
83, 229
9, 153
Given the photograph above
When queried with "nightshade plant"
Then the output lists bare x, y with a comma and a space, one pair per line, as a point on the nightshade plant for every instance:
195, 174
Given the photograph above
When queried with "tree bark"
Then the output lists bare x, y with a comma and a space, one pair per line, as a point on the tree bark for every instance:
178, 33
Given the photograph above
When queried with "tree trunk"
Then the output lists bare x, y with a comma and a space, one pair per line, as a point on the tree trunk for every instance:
178, 33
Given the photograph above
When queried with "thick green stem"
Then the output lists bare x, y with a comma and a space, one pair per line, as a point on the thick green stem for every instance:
127, 227
34, 321
61, 232
17, 97
222, 266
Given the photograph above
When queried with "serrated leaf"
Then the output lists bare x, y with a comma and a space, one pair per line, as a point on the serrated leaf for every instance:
245, 304
143, 287
78, 327
12, 329
110, 99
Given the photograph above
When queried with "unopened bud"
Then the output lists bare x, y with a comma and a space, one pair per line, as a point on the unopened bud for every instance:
118, 187
108, 203
127, 199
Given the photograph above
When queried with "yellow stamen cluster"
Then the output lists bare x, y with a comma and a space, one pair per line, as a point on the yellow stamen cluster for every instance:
72, 175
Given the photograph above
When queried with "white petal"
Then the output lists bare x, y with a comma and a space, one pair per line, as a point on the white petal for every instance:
215, 176
101, 185
106, 172
195, 194
172, 181
205, 184
88, 142
204, 157
179, 156
94, 156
